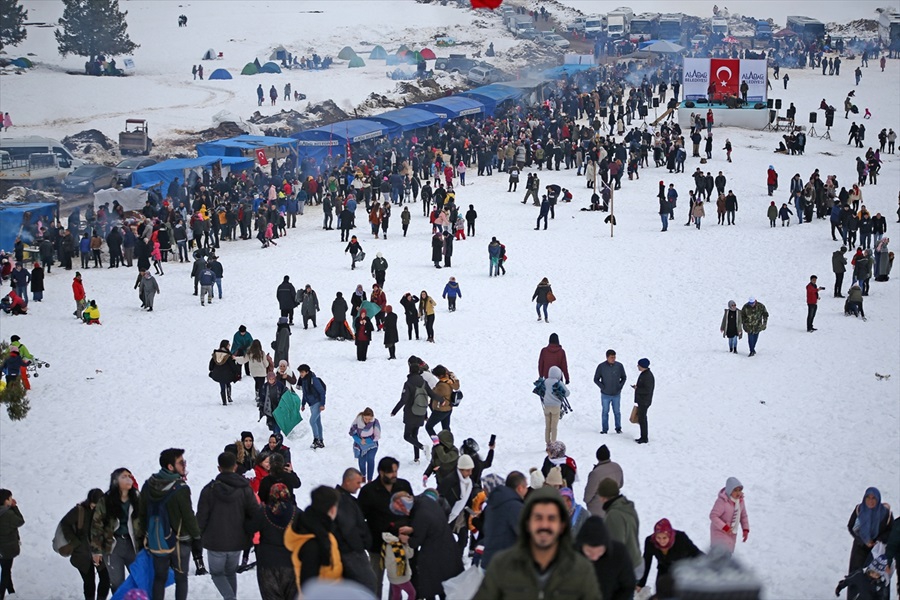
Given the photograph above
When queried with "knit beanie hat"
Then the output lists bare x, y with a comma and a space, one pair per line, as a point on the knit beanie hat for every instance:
593, 533
554, 477
602, 453
245, 435
465, 462
536, 478
644, 362
608, 488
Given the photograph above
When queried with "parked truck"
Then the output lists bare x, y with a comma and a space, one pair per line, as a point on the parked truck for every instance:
670, 26
763, 31
593, 27
889, 29
136, 137
645, 27
618, 23
719, 25
38, 171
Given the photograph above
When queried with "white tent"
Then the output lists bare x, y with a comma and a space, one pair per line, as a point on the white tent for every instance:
129, 198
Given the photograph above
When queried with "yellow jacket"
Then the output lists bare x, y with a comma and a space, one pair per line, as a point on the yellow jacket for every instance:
293, 541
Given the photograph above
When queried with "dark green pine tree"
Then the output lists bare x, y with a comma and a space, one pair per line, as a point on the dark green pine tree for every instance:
92, 28
12, 23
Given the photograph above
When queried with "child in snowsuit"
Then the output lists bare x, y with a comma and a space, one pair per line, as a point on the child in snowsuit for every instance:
785, 214
396, 565
772, 214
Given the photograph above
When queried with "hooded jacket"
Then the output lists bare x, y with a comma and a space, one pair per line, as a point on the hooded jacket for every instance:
512, 574
623, 525
225, 513
550, 399
501, 522
601, 471
179, 506
222, 367
314, 549
553, 355
614, 571
444, 456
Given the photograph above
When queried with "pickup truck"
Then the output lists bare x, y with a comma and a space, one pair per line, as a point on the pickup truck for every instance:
38, 171
576, 26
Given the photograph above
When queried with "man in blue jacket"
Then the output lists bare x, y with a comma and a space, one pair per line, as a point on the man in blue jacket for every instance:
501, 517
610, 378
313, 395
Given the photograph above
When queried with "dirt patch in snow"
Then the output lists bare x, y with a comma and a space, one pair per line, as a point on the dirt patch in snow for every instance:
93, 146
23, 194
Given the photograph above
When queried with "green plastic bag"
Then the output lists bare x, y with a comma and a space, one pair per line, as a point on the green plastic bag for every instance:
287, 415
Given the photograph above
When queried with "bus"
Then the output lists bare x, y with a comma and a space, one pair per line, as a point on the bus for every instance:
670, 26
806, 27
889, 28
645, 26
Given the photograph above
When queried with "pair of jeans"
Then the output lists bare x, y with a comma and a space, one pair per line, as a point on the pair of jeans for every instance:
179, 560
92, 588
810, 315
538, 309
751, 339
182, 250
437, 416
22, 290
219, 286
367, 464
315, 420
732, 343
429, 326
665, 221
223, 569
607, 400
494, 264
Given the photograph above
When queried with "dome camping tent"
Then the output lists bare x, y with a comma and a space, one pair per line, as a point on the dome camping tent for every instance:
210, 55
346, 53
249, 69
402, 48
427, 54
377, 53
356, 61
220, 74
414, 58
270, 67
279, 53
23, 63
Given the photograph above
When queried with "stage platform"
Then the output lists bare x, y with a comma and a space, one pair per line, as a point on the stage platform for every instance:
748, 118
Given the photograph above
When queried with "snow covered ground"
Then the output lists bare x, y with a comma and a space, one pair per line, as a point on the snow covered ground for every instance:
804, 425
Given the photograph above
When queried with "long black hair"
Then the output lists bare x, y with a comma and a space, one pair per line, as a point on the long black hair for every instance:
113, 499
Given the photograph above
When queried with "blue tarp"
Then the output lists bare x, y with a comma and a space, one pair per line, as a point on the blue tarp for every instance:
13, 223
237, 145
320, 141
405, 119
492, 95
558, 72
166, 171
452, 107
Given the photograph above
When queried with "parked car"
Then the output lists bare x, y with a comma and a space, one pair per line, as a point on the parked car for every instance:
577, 26
483, 75
555, 39
699, 40
455, 63
89, 178
128, 166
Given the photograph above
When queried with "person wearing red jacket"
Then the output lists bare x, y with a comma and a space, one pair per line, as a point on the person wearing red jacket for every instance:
812, 302
78, 292
553, 355
771, 179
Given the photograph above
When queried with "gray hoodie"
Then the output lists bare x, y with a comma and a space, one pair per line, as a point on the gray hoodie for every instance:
554, 376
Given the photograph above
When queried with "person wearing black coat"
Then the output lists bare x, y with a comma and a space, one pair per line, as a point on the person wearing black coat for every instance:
337, 328
612, 565
411, 421
245, 451
668, 547
114, 244
363, 330
437, 249
279, 472
286, 295
410, 309
501, 516
226, 514
76, 526
37, 282
142, 253
274, 566
470, 448
352, 533
391, 336
436, 559
643, 396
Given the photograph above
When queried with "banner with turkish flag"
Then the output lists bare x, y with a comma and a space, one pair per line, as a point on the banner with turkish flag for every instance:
261, 157
726, 74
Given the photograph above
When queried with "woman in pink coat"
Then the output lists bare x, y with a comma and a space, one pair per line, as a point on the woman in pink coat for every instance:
727, 514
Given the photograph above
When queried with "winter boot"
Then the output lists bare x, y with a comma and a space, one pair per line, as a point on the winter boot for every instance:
315, 444
228, 395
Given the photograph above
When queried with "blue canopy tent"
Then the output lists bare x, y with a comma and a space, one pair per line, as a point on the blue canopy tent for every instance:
405, 119
20, 219
452, 107
165, 172
558, 72
492, 96
319, 142
245, 145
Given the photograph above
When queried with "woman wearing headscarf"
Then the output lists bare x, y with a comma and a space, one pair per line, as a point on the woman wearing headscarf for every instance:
116, 529
727, 514
280, 472
556, 457
870, 522
358, 297
732, 326
274, 568
668, 547
363, 329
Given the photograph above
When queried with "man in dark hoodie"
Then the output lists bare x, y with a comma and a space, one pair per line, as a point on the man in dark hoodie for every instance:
314, 549
225, 512
553, 355
612, 566
501, 517
166, 490
352, 533
543, 563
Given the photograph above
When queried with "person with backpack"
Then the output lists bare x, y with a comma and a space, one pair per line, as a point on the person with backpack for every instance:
442, 409
314, 549
414, 400
76, 528
116, 531
553, 395
10, 520
206, 278
173, 534
226, 512
313, 390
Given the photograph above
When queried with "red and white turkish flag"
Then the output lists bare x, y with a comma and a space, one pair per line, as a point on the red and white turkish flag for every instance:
491, 4
261, 157
726, 74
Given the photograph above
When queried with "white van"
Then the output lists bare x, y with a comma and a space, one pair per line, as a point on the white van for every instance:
21, 148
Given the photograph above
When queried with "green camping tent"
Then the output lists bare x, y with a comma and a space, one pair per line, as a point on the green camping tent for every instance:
377, 53
403, 48
356, 62
249, 69
346, 53
23, 62
414, 58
